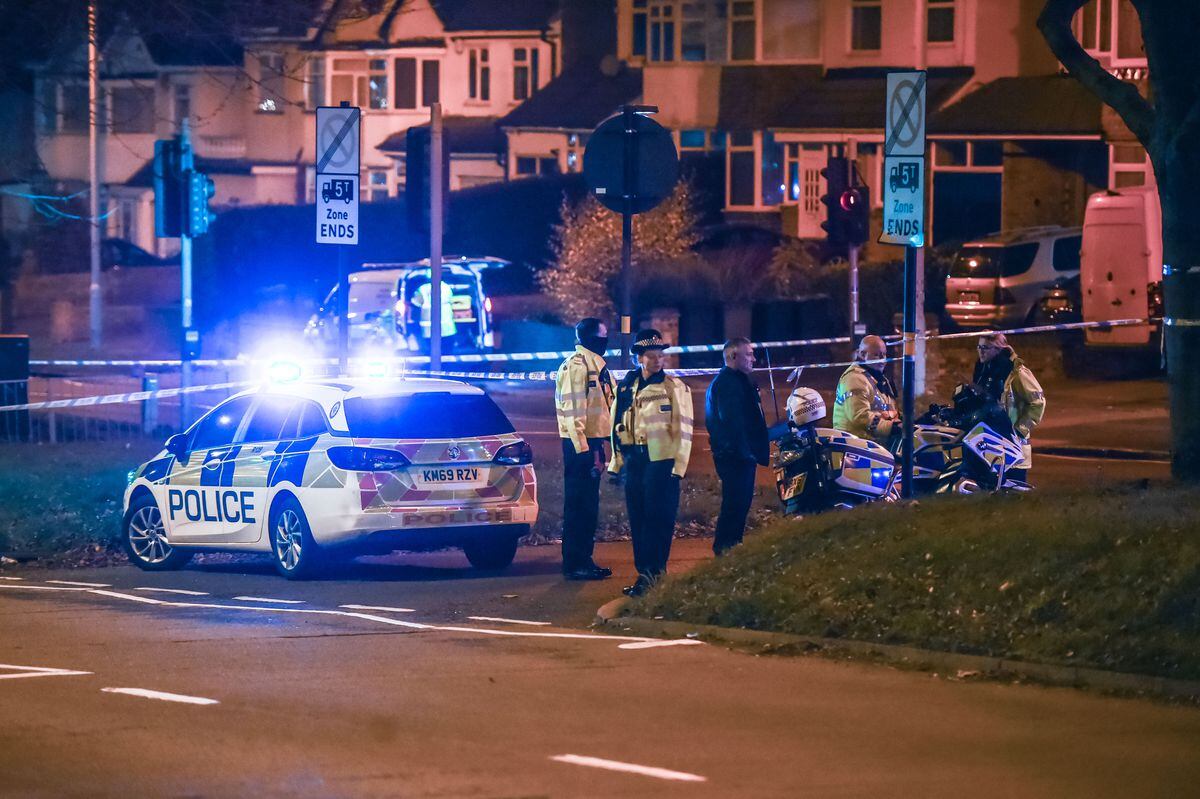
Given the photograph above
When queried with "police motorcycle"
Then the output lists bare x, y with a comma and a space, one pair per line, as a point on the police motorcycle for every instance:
965, 448
819, 468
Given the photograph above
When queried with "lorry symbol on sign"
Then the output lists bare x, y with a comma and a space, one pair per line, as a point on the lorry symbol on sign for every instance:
904, 176
338, 190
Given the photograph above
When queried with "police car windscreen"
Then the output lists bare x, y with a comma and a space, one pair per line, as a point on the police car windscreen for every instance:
439, 415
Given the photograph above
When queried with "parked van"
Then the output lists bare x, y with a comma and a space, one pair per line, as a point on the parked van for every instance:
997, 281
1122, 263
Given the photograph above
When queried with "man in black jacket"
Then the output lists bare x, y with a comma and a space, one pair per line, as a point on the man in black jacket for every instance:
737, 434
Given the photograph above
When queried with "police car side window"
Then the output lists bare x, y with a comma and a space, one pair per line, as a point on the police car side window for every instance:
270, 415
218, 428
312, 420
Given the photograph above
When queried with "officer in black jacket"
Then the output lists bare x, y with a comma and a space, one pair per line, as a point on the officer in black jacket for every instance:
737, 434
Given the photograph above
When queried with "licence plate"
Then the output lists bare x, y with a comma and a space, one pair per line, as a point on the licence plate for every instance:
449, 476
968, 297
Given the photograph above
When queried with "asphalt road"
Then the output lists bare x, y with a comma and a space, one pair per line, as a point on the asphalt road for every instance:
453, 692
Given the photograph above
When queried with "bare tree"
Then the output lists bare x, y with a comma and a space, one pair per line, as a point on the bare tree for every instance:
1168, 126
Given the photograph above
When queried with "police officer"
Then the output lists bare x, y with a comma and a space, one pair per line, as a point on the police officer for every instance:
865, 404
652, 439
1005, 378
737, 434
583, 398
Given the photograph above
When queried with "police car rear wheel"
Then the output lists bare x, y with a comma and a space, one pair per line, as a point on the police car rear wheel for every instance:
494, 553
292, 547
146, 538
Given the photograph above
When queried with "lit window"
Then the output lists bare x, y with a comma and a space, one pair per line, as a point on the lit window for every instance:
866, 24
378, 83
939, 21
691, 139
359, 82
377, 185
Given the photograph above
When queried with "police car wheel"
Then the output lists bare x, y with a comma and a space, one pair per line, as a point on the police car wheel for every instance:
494, 552
292, 548
145, 538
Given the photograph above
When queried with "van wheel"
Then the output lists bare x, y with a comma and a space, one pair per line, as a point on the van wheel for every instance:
494, 553
293, 550
145, 538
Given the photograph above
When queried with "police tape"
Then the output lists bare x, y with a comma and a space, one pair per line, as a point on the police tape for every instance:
114, 399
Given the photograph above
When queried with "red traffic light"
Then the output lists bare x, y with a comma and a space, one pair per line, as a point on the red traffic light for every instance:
849, 200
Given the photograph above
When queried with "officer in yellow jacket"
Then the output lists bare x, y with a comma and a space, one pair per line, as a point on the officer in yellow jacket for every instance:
865, 404
583, 399
1005, 378
652, 439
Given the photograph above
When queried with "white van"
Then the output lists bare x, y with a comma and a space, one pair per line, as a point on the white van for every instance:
1121, 265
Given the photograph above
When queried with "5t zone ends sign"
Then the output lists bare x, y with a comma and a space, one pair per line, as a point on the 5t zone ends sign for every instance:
337, 209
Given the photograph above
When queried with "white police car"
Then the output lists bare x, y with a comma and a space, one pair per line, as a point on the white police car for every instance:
356, 466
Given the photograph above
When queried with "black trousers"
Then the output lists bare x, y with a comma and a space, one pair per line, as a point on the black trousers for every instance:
652, 500
737, 492
581, 503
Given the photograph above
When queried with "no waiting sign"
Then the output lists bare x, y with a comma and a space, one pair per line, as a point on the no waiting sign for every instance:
337, 154
904, 119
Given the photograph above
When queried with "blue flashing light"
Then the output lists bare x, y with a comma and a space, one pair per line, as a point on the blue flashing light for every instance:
283, 371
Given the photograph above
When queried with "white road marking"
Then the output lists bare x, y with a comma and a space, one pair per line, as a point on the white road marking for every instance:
510, 621
630, 768
394, 622
172, 591
12, 578
383, 608
652, 644
147, 694
36, 671
85, 585
268, 599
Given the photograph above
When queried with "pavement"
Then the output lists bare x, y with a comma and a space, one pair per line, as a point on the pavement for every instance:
414, 676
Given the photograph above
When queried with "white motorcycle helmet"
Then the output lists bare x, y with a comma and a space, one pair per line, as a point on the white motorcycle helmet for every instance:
805, 406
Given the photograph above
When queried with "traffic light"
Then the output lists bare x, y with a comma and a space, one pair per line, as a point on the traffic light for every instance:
200, 190
168, 188
847, 202
416, 178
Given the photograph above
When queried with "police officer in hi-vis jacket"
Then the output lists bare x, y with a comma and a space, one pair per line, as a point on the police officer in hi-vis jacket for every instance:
652, 440
583, 398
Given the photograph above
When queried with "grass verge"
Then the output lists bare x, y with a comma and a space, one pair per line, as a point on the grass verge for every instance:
1106, 578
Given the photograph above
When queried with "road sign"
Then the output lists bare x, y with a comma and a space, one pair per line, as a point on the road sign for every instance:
903, 201
337, 174
337, 209
904, 119
653, 167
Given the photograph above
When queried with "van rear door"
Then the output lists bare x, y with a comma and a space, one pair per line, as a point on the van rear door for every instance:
1114, 266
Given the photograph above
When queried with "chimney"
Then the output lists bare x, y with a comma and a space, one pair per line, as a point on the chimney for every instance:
589, 32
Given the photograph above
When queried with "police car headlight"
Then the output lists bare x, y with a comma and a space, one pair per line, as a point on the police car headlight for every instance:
131, 476
516, 454
366, 459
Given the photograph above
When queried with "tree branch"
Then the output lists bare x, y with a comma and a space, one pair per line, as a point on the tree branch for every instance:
1124, 98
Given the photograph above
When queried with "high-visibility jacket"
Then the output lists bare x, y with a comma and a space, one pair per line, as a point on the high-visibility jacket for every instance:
422, 300
1025, 402
656, 414
583, 398
860, 405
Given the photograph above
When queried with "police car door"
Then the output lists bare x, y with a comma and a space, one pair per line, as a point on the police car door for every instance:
260, 445
198, 495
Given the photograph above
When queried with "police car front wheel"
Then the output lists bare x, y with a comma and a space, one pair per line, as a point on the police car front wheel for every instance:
292, 547
146, 538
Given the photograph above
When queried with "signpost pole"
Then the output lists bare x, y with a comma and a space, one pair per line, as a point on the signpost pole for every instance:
909, 398
343, 310
919, 281
855, 335
629, 187
435, 237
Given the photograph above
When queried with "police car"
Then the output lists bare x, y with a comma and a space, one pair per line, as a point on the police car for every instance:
310, 469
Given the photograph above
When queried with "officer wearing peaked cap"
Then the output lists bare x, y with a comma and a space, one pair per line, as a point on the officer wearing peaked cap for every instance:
583, 398
652, 439
865, 403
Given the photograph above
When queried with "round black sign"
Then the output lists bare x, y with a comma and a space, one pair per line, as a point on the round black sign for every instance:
655, 165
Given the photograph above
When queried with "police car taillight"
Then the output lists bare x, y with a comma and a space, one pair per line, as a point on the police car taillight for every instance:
366, 459
516, 454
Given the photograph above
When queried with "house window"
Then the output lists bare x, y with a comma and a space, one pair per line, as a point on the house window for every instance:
704, 31
741, 169
530, 165
47, 106
132, 109
866, 25
1093, 27
662, 30
691, 140
1129, 32
377, 185
479, 75
270, 82
406, 82
183, 103
74, 107
359, 82
638, 38
431, 82
548, 166
742, 35
314, 87
791, 30
939, 21
1128, 166
526, 165
521, 87
772, 170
